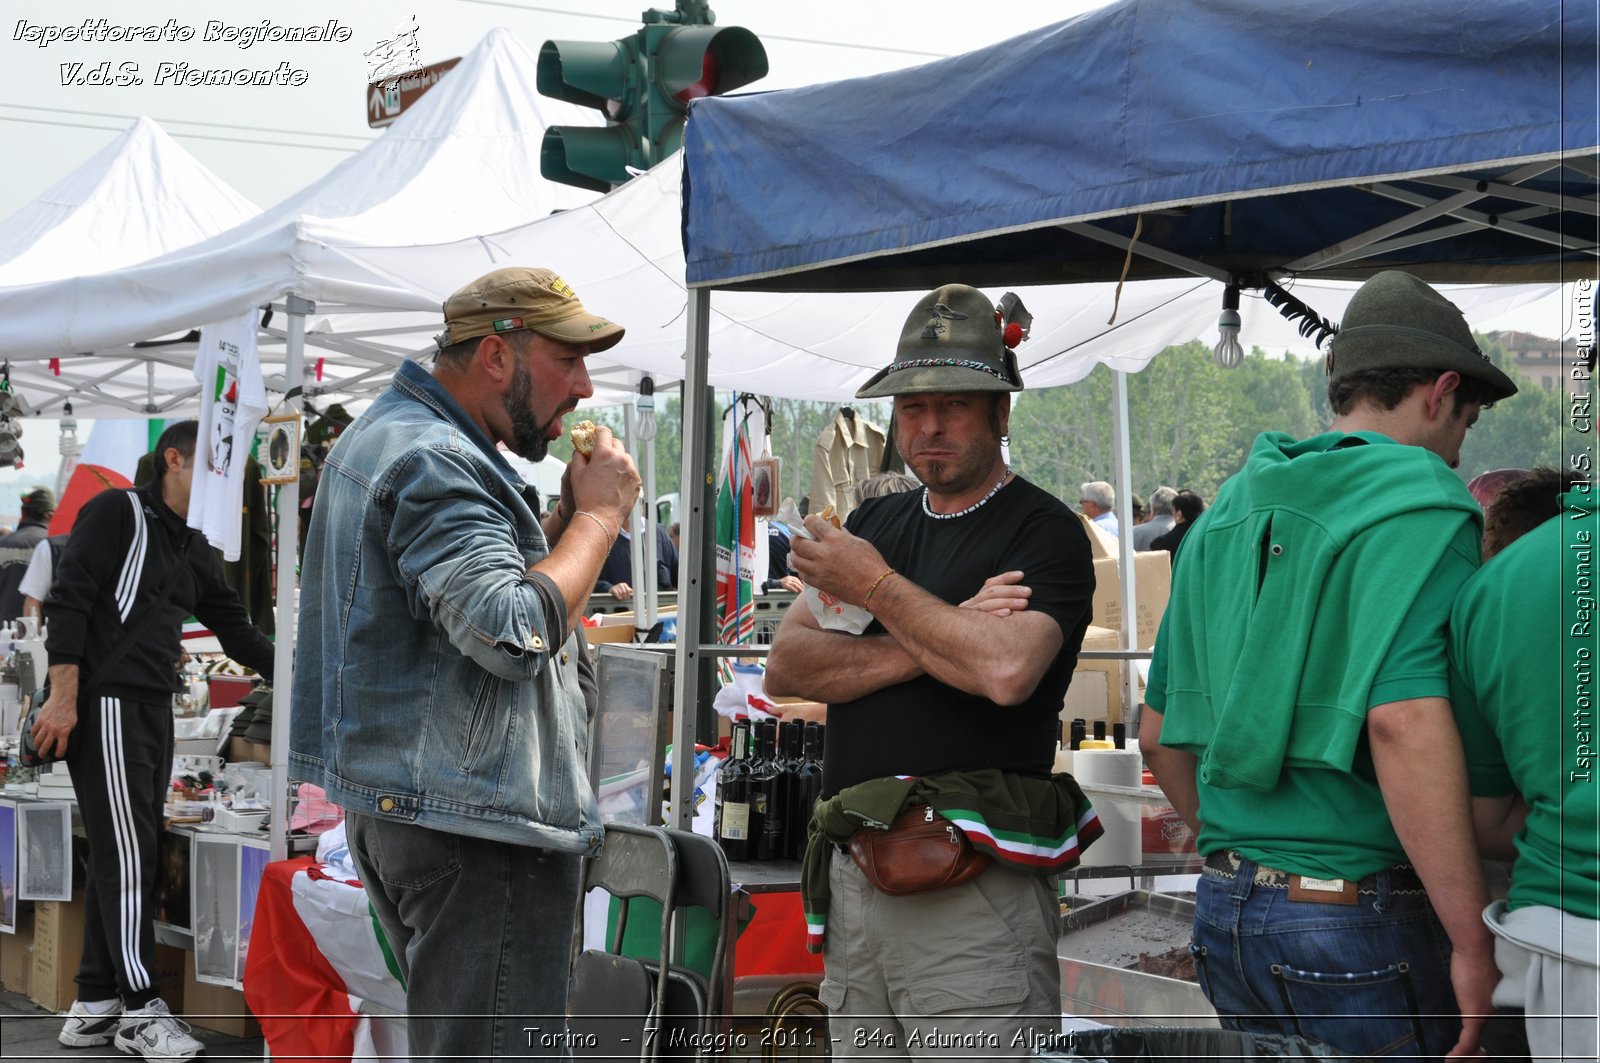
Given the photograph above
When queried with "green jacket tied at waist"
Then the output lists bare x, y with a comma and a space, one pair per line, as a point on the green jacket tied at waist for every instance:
1032, 824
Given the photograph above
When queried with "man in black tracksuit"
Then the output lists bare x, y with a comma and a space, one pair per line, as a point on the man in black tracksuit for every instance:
125, 549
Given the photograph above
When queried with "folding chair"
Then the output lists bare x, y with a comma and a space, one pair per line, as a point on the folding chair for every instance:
615, 1003
704, 882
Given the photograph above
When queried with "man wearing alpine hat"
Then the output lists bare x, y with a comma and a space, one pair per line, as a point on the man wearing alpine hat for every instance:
436, 693
1299, 715
943, 713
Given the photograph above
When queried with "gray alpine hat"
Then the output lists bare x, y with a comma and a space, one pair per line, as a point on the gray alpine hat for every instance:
953, 341
1395, 320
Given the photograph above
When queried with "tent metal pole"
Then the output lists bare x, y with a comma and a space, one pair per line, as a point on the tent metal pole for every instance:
650, 590
288, 578
691, 569
1122, 449
636, 526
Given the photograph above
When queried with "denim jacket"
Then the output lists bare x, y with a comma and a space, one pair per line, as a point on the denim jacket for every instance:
426, 688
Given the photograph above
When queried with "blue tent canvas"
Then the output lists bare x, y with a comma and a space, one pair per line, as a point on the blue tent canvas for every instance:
1235, 136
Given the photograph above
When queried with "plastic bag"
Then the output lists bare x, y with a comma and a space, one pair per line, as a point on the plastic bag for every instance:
831, 614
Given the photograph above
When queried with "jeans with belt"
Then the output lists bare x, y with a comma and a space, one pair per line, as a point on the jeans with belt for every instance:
1370, 978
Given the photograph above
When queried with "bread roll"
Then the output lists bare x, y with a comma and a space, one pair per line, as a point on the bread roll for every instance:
583, 437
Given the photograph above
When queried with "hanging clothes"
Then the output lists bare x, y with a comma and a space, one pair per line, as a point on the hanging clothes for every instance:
847, 452
232, 402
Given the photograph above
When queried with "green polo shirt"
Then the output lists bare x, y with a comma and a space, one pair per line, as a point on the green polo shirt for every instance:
1525, 662
1333, 824
1353, 513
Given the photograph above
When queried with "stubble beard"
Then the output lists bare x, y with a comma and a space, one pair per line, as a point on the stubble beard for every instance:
529, 438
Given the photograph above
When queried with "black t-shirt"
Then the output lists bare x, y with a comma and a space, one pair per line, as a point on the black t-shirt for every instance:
924, 727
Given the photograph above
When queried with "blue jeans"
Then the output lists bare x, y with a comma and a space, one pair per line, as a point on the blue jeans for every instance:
1370, 979
483, 934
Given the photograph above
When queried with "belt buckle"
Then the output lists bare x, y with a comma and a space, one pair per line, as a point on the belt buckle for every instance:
1323, 890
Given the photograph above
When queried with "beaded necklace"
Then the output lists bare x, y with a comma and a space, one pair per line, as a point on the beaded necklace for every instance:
1006, 478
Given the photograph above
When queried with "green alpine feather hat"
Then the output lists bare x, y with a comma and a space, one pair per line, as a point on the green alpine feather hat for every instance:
953, 341
1397, 321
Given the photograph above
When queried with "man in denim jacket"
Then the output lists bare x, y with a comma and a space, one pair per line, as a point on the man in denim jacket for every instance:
436, 693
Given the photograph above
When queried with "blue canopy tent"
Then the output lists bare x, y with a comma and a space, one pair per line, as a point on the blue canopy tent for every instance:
1294, 136
1246, 141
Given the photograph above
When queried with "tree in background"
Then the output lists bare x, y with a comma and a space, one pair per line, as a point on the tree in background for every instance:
1191, 424
1518, 433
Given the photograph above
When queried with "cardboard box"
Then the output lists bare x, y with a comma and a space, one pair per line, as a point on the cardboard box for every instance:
1152, 571
170, 962
1096, 690
16, 953
57, 950
215, 1007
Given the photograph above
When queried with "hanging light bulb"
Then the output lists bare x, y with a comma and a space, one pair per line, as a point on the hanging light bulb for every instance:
645, 409
69, 423
1227, 352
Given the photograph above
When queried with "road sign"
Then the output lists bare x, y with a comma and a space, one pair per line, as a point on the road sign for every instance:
388, 97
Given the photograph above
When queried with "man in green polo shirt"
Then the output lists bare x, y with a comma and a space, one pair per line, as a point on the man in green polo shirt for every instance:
1298, 703
1524, 657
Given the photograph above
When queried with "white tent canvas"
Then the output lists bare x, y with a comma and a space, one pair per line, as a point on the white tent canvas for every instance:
140, 196
462, 161
624, 255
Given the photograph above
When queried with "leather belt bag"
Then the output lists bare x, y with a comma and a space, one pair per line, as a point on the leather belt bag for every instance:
920, 852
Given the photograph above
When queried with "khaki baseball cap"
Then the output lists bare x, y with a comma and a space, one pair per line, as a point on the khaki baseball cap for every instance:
519, 298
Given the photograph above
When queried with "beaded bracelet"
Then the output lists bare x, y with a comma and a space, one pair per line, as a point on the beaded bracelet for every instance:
874, 586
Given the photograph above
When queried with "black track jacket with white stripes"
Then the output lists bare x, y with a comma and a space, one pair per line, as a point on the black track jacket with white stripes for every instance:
121, 553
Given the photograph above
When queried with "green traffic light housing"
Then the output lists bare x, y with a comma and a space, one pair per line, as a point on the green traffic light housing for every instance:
643, 85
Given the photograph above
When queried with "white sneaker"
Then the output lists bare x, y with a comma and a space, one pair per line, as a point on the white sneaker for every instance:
152, 1032
88, 1029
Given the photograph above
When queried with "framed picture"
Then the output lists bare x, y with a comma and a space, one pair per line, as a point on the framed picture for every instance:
8, 867
280, 455
225, 884
764, 486
44, 851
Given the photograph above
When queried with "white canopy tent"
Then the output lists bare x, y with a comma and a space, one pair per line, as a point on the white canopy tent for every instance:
624, 255
140, 196
462, 161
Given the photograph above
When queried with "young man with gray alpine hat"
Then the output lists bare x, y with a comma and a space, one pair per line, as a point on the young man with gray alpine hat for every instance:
1298, 703
943, 713
437, 692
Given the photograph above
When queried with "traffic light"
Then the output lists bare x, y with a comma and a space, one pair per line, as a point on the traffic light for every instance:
643, 84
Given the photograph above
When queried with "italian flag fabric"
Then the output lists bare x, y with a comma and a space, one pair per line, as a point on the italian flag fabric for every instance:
316, 953
736, 535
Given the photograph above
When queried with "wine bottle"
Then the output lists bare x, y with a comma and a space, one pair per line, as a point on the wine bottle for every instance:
807, 788
791, 736
766, 797
733, 796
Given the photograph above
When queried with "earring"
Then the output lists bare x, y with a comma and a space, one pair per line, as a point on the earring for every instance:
1005, 440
